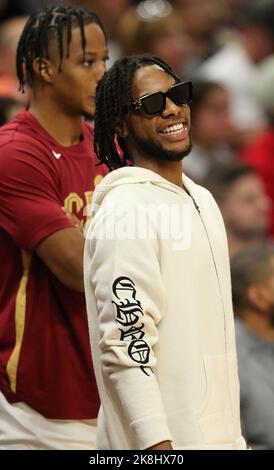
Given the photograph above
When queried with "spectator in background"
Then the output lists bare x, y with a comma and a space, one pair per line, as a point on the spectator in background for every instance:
243, 203
212, 131
235, 66
110, 12
231, 12
260, 153
48, 397
252, 274
10, 32
201, 19
156, 28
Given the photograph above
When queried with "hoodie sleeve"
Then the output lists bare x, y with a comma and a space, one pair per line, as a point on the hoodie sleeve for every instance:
130, 295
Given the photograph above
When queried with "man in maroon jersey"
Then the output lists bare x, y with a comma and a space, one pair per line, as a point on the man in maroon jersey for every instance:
48, 397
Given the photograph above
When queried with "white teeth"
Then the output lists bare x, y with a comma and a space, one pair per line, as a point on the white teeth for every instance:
174, 129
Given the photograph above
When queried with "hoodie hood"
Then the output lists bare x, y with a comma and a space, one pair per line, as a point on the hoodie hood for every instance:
136, 175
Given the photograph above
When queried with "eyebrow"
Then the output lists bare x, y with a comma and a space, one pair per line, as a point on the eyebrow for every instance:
90, 53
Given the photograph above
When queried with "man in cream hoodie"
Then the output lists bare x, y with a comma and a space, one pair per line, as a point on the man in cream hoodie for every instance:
157, 275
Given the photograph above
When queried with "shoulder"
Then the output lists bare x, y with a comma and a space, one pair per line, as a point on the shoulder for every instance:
208, 198
21, 155
16, 156
199, 191
20, 134
120, 199
126, 195
205, 201
11, 131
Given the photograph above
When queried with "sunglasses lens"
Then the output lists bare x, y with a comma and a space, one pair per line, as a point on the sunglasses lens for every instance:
154, 103
181, 94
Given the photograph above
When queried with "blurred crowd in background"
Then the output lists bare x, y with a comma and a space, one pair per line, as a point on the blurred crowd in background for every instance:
226, 47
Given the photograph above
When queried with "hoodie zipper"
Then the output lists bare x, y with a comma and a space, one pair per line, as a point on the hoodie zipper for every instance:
213, 258
222, 300
211, 251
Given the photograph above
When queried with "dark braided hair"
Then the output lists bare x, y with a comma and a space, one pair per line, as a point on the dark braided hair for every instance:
43, 26
113, 93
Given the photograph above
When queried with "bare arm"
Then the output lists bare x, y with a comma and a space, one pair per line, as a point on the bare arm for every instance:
62, 252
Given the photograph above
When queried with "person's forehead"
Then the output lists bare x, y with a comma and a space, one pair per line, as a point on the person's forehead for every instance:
95, 41
93, 34
150, 79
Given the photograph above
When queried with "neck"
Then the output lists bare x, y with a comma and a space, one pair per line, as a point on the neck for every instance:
259, 324
171, 171
65, 128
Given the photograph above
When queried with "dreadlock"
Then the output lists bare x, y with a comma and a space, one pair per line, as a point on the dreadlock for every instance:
44, 25
113, 92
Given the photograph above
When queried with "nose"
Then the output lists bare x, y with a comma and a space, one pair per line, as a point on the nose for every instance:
173, 109
99, 70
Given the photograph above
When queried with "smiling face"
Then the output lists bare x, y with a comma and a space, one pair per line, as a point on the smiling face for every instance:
74, 87
165, 136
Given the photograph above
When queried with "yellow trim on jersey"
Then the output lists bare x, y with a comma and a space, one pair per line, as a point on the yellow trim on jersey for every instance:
20, 315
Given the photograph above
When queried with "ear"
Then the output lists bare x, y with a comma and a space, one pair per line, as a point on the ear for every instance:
121, 129
256, 297
43, 69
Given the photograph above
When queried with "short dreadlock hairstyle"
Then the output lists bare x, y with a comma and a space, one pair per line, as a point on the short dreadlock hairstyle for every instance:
113, 94
52, 23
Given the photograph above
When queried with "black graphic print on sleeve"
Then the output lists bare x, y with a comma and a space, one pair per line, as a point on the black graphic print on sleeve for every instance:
129, 314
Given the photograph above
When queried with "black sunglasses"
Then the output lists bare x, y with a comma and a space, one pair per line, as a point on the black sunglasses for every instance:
155, 103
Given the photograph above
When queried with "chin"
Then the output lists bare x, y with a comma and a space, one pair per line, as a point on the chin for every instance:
186, 148
156, 150
177, 154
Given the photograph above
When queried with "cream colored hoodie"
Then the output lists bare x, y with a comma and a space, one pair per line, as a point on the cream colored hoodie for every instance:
160, 315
